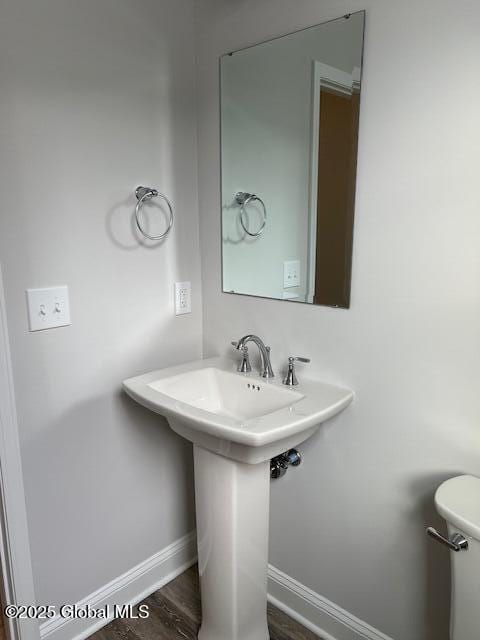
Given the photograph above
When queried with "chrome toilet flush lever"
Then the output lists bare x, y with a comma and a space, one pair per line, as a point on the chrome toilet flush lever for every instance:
457, 542
291, 378
244, 365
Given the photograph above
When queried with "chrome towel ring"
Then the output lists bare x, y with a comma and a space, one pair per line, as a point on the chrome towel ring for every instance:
147, 193
244, 199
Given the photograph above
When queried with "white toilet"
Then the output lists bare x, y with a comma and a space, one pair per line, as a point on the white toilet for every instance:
458, 501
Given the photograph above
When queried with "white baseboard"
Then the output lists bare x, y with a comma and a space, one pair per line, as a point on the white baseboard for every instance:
322, 617
129, 588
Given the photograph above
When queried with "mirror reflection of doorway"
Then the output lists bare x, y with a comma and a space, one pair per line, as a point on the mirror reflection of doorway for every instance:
337, 153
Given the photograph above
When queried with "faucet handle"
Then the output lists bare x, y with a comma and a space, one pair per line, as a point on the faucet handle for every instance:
291, 379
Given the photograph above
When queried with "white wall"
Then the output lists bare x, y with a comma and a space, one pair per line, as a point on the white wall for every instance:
266, 150
350, 522
96, 98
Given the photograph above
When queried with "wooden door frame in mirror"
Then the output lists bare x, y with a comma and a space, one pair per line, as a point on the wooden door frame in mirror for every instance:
323, 75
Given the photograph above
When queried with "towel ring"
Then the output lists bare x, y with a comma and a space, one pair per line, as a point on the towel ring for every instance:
244, 199
147, 193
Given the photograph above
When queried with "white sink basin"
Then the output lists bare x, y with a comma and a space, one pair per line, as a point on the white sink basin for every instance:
241, 416
225, 393
237, 422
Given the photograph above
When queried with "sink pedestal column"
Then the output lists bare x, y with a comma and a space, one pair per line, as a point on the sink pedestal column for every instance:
232, 505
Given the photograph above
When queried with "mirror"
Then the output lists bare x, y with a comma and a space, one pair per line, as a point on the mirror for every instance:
289, 128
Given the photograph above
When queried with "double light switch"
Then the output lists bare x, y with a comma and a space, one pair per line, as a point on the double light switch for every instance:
48, 308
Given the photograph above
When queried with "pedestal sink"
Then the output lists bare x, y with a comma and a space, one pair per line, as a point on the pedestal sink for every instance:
237, 422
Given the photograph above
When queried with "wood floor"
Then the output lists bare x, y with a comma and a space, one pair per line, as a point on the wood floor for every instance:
175, 615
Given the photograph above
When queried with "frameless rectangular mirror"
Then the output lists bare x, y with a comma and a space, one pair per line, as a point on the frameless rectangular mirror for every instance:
289, 128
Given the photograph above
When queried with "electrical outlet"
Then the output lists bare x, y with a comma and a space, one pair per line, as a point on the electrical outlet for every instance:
291, 273
48, 308
183, 302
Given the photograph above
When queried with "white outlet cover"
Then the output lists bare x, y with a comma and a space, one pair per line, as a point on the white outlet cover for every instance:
183, 300
48, 308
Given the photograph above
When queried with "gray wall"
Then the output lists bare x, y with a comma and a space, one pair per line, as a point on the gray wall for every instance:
350, 522
96, 98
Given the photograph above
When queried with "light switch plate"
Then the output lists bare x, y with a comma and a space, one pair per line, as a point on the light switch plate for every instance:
183, 301
48, 308
291, 273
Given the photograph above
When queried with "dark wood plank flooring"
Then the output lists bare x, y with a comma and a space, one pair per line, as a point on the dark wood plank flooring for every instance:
175, 614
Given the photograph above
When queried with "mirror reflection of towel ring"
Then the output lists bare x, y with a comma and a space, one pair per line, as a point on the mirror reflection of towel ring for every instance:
244, 199
147, 193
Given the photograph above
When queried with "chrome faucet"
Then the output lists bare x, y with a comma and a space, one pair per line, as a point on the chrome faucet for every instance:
267, 371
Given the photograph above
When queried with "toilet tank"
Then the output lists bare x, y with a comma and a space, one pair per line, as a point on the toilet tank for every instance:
458, 501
